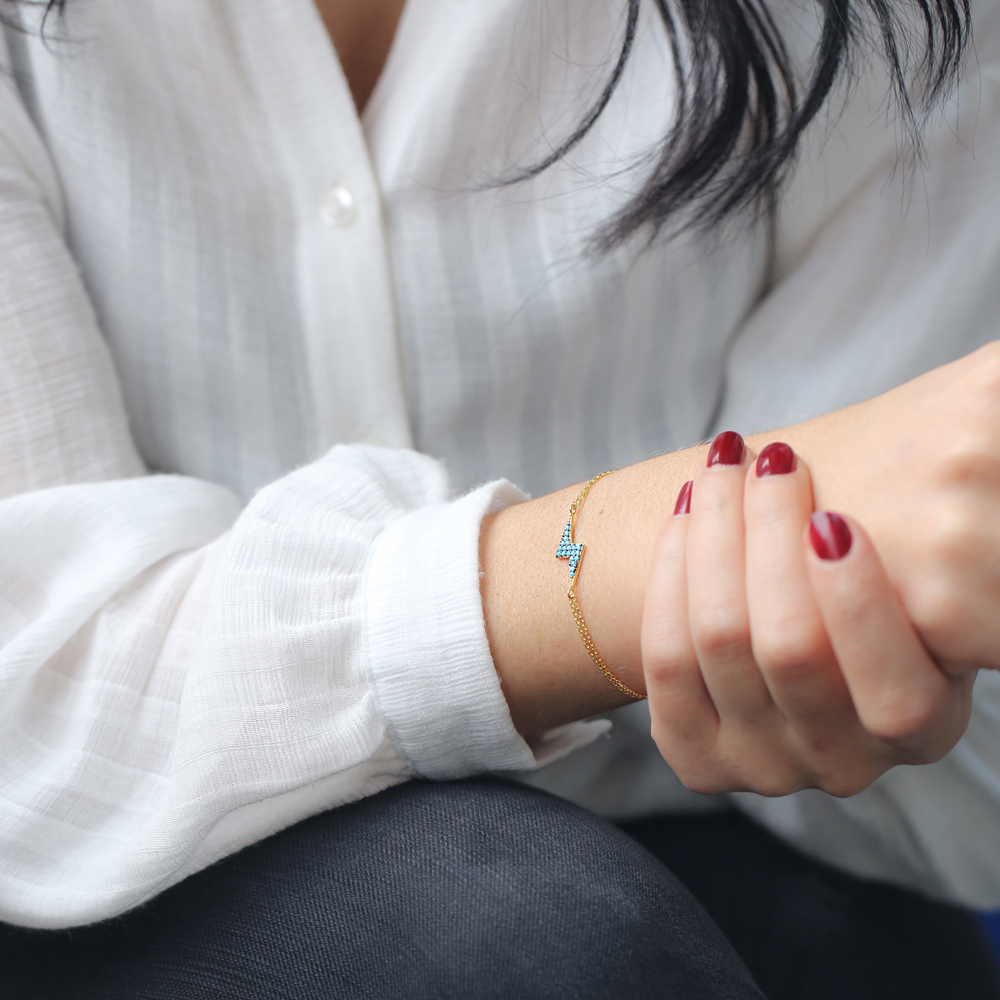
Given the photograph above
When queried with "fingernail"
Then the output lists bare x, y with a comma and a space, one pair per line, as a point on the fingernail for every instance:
683, 505
727, 449
830, 535
776, 459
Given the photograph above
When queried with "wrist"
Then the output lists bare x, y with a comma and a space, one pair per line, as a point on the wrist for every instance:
546, 672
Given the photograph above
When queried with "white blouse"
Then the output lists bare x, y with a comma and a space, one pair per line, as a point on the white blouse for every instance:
236, 321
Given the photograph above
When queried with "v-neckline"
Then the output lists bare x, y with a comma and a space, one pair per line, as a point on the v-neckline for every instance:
391, 69
350, 26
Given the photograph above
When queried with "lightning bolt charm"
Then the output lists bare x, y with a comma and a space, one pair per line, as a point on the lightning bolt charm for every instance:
573, 551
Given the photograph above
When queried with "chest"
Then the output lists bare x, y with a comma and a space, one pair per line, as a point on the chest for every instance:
198, 145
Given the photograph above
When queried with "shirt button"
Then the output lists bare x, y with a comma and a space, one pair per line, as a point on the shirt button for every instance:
339, 207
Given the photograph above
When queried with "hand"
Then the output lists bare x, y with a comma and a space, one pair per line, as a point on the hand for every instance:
920, 467
770, 668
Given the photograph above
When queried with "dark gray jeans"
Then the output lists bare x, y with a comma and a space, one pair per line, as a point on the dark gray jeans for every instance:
471, 890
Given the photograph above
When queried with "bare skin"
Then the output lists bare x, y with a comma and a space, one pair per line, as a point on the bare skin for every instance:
547, 674
772, 665
362, 32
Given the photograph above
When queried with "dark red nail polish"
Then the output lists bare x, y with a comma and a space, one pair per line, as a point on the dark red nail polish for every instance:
830, 535
727, 449
683, 505
776, 459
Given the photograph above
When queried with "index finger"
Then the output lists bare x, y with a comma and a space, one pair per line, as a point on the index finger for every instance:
901, 695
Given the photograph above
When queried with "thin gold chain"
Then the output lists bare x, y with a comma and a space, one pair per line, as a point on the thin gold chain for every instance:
582, 495
575, 604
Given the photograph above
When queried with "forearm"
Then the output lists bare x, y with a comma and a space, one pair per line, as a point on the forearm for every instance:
547, 675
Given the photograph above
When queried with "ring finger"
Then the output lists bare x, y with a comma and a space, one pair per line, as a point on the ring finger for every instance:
790, 644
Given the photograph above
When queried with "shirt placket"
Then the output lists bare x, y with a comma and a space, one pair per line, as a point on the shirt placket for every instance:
345, 286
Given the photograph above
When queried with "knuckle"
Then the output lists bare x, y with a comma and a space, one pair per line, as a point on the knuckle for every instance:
968, 455
664, 665
769, 778
956, 533
722, 636
900, 717
662, 656
936, 607
767, 508
854, 604
767, 770
842, 765
776, 782
791, 653
849, 768
843, 786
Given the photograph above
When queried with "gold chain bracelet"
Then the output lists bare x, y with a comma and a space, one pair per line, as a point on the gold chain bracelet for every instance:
573, 551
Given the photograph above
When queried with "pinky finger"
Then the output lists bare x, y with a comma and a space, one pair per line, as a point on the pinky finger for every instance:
681, 708
901, 695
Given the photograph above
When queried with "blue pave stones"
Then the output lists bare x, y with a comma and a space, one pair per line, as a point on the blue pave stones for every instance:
568, 549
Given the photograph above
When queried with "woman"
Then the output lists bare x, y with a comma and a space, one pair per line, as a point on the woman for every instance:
216, 269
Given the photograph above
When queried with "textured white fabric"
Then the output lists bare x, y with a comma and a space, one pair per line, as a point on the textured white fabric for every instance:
425, 626
192, 660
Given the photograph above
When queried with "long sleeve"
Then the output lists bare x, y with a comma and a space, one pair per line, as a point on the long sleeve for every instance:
181, 678
181, 675
884, 274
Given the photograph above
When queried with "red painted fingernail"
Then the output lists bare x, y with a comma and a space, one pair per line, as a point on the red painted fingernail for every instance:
776, 459
727, 449
683, 505
830, 535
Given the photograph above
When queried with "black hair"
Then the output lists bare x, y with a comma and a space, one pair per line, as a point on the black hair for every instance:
741, 110
51, 6
741, 113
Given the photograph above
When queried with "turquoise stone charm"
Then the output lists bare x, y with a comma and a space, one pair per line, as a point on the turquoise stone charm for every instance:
568, 549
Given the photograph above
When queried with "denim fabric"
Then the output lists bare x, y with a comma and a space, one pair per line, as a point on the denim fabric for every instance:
487, 890
808, 932
468, 890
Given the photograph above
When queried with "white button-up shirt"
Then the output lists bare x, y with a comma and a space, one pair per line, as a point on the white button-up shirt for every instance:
222, 607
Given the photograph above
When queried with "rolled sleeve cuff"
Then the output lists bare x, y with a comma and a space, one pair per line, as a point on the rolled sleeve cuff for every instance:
430, 659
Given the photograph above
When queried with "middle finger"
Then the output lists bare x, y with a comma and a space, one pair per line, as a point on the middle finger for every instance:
720, 624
